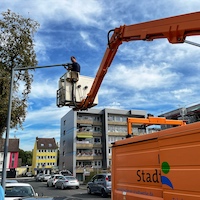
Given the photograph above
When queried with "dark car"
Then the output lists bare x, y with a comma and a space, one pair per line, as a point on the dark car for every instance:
39, 176
101, 184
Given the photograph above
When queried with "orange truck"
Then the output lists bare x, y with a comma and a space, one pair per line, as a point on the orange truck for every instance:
163, 165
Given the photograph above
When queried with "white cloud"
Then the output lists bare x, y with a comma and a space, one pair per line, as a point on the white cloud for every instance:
86, 38
182, 93
44, 89
40, 49
75, 11
47, 114
142, 77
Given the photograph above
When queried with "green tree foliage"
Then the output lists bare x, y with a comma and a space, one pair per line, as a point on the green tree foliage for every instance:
26, 157
16, 50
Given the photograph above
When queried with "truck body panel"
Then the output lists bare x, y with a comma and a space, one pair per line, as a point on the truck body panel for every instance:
161, 165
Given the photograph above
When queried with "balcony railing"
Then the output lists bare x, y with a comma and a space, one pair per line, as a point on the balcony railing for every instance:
117, 123
80, 169
82, 157
88, 121
87, 144
117, 133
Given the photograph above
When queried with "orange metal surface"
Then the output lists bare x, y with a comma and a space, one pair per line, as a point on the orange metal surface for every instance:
152, 121
175, 29
164, 165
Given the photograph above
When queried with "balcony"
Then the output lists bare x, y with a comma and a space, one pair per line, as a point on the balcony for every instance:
81, 170
89, 157
89, 122
117, 123
88, 134
87, 145
84, 134
117, 134
84, 145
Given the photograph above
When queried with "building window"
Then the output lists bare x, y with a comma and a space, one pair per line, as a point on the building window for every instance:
97, 129
64, 122
50, 145
42, 145
64, 132
97, 140
109, 151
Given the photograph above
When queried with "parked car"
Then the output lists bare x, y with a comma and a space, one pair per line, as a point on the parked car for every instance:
53, 179
45, 177
14, 191
10, 181
39, 198
67, 181
101, 184
29, 174
39, 176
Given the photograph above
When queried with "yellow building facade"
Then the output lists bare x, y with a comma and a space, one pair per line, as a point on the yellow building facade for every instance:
45, 155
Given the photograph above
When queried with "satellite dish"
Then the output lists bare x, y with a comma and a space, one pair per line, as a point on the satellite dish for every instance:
183, 111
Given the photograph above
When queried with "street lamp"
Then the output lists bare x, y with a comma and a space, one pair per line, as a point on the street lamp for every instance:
9, 116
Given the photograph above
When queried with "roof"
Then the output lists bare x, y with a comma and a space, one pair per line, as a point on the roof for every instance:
39, 198
17, 184
46, 143
13, 145
190, 110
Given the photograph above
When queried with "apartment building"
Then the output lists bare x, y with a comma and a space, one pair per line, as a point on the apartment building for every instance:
44, 155
12, 156
86, 138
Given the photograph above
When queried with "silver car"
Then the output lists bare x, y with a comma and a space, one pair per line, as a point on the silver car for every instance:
14, 191
45, 177
67, 181
53, 179
101, 184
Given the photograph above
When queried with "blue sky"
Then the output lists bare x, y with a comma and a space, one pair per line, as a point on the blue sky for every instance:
153, 76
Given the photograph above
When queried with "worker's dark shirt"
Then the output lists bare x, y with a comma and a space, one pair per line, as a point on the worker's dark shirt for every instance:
75, 67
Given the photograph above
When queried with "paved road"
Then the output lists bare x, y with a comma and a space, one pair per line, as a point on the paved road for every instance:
67, 194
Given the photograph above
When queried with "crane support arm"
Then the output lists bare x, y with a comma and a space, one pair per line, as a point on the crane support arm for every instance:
175, 29
152, 121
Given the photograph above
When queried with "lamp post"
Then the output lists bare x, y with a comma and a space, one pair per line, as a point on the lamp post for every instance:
9, 116
7, 132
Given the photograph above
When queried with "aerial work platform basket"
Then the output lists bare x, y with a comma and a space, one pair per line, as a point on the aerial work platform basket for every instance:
73, 89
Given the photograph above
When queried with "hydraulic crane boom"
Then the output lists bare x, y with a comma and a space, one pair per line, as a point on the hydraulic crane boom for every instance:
175, 29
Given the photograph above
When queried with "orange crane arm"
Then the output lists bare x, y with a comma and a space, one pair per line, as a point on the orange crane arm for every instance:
152, 121
175, 29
